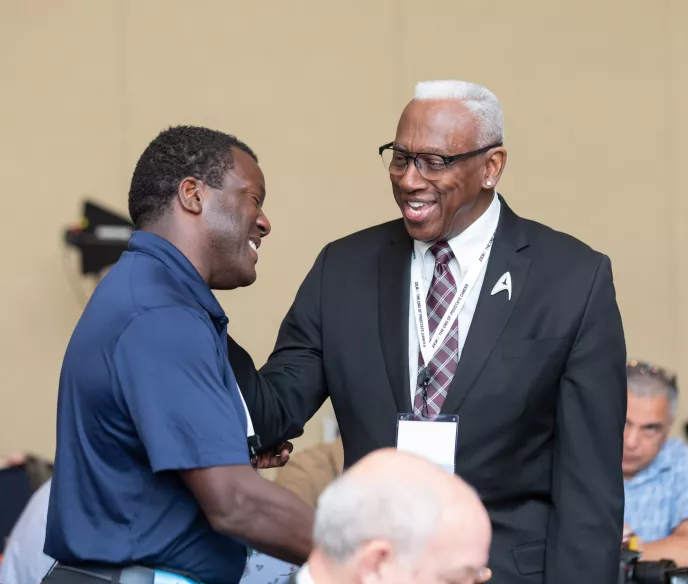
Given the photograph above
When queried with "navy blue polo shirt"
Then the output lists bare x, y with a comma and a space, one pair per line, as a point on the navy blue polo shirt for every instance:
146, 390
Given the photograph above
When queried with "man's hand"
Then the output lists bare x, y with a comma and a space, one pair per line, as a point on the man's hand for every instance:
631, 540
275, 458
673, 547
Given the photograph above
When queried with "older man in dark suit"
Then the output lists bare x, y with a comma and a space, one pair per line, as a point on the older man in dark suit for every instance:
464, 308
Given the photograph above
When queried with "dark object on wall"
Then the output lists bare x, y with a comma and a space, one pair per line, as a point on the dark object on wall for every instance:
101, 237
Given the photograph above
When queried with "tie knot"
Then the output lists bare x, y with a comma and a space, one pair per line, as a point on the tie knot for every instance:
443, 252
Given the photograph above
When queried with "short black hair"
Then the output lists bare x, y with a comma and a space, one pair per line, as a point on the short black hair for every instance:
176, 153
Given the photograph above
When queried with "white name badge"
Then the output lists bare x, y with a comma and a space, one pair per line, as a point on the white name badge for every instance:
437, 440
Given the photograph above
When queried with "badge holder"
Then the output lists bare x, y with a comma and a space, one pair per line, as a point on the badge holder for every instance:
435, 440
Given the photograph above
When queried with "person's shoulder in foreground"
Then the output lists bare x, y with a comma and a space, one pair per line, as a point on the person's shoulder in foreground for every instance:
23, 561
395, 517
152, 430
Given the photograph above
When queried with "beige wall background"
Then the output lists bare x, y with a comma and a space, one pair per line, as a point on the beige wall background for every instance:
593, 93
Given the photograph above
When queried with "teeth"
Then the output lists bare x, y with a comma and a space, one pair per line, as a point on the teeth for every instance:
253, 246
415, 204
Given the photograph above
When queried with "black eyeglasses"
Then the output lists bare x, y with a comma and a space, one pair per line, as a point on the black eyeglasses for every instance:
430, 166
643, 368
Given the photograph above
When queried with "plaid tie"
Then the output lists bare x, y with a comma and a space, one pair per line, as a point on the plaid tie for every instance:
434, 379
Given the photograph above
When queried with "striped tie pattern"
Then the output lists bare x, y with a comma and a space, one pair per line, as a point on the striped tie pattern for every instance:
435, 377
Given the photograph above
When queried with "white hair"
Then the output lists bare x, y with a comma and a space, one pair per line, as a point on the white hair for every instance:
643, 385
482, 103
352, 511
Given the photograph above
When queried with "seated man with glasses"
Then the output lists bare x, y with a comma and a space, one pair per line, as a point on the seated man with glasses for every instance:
655, 468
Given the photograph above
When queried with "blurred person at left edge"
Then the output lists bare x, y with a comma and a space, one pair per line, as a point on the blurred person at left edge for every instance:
153, 477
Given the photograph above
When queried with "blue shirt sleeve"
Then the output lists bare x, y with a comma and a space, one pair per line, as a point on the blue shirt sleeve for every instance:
681, 487
171, 378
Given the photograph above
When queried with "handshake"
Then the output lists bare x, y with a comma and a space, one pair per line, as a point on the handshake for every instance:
275, 457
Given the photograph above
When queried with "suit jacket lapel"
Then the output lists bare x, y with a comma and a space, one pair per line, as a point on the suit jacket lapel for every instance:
393, 313
492, 312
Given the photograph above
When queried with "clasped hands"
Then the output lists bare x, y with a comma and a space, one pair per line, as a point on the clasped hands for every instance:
275, 457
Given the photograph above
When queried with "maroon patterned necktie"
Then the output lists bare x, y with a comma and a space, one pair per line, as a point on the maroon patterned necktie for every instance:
434, 378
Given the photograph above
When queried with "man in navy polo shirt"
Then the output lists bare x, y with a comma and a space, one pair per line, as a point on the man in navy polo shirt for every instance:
153, 480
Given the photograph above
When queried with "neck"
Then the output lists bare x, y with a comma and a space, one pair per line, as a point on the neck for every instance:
323, 570
173, 232
466, 217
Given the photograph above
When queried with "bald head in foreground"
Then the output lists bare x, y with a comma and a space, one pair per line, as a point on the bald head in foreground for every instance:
395, 518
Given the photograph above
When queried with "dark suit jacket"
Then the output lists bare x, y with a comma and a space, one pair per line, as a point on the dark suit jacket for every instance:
540, 389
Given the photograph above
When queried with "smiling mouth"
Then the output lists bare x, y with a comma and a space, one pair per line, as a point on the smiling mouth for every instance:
254, 244
418, 211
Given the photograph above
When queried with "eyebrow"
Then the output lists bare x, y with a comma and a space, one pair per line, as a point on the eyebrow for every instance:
249, 189
436, 151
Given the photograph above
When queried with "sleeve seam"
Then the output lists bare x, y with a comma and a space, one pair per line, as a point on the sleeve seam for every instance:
222, 459
148, 311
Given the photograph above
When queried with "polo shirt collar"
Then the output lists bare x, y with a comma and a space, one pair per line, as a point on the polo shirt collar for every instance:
178, 263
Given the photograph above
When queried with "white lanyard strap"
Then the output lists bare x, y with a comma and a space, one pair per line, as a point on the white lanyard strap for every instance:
429, 346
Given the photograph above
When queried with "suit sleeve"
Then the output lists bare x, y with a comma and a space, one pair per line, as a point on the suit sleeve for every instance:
290, 388
584, 532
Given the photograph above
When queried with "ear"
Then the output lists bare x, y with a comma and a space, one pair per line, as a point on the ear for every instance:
373, 561
493, 167
191, 194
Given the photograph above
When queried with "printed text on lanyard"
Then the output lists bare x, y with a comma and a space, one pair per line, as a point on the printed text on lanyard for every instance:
430, 346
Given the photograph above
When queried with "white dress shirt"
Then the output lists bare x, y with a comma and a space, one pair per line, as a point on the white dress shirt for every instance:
249, 422
467, 247
303, 576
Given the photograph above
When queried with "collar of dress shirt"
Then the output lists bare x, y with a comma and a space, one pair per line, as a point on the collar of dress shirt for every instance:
469, 243
303, 576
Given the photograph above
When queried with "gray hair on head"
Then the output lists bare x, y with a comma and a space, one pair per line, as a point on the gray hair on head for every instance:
647, 383
352, 512
480, 101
